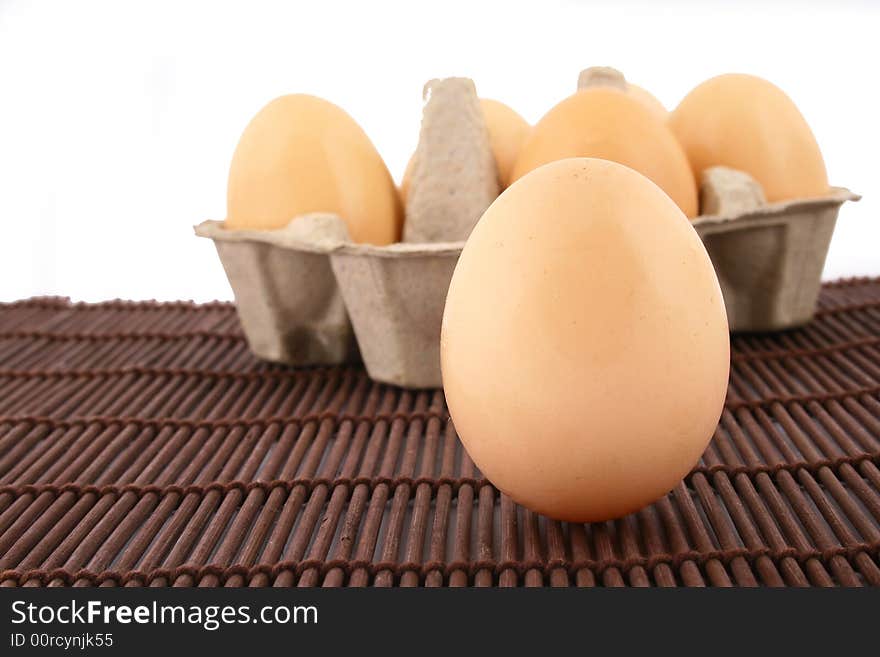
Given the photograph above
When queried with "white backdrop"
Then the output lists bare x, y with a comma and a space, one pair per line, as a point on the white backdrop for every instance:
118, 120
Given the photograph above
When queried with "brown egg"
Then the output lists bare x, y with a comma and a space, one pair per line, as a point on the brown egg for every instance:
605, 123
746, 123
605, 76
649, 100
507, 132
584, 345
302, 154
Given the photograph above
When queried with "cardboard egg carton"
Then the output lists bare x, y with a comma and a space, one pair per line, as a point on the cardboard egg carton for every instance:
307, 295
304, 291
314, 301
768, 257
288, 301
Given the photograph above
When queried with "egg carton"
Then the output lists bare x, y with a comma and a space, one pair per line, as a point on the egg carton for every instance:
288, 301
768, 257
307, 295
305, 292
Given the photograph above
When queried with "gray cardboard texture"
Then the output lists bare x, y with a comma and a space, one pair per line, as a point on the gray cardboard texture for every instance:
768, 258
395, 300
395, 295
285, 292
601, 76
728, 191
454, 176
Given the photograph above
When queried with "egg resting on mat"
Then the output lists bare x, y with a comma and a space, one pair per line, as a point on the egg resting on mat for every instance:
584, 347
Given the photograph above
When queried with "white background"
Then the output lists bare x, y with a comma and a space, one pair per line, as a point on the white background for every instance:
118, 119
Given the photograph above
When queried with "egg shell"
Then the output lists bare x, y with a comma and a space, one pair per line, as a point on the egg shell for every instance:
747, 123
301, 154
648, 100
605, 123
584, 345
605, 76
507, 133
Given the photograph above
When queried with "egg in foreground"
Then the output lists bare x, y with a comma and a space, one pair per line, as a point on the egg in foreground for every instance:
584, 347
747, 123
604, 123
302, 154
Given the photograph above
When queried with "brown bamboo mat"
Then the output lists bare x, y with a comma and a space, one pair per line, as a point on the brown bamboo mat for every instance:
141, 444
